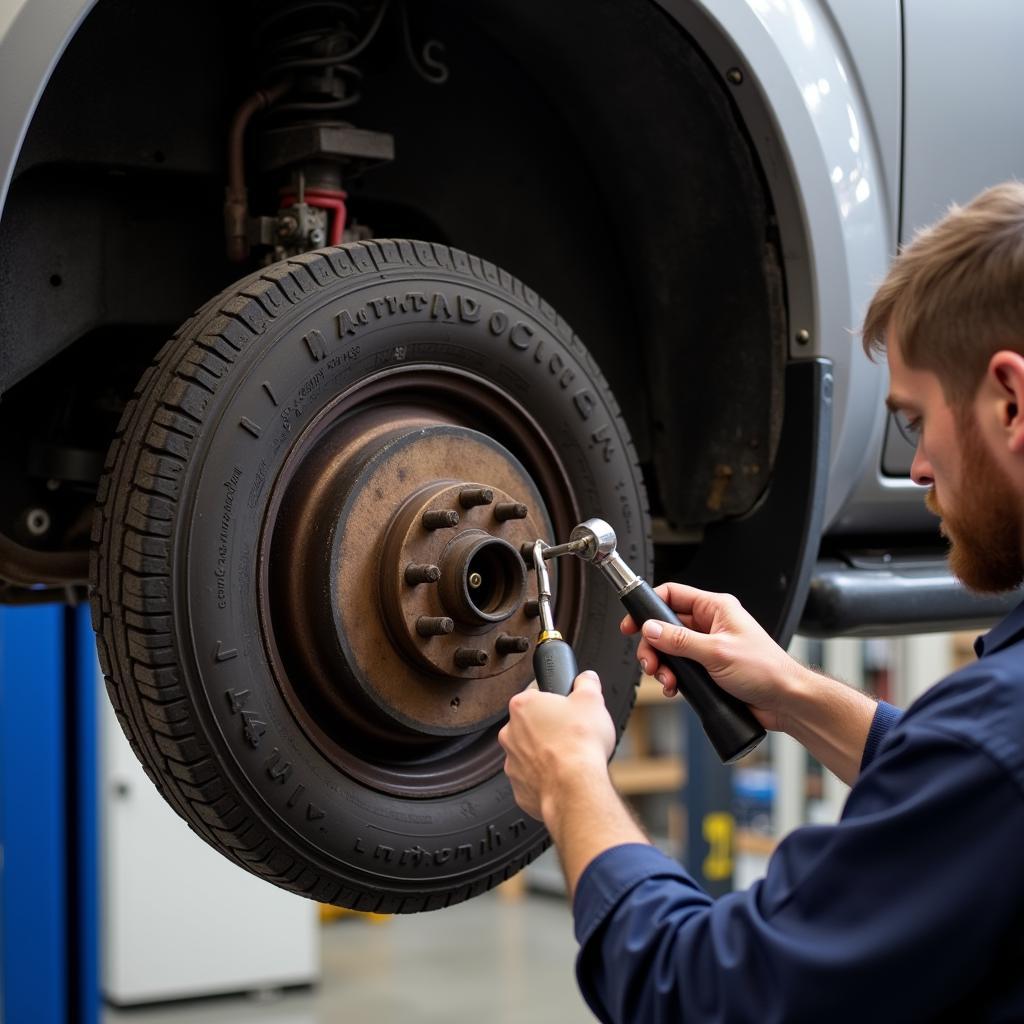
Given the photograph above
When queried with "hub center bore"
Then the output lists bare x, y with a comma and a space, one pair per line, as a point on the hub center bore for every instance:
483, 579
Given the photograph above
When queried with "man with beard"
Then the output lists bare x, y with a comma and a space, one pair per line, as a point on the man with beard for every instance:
912, 906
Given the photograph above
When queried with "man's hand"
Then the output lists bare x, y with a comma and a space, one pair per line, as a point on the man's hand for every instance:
557, 751
549, 737
725, 638
828, 717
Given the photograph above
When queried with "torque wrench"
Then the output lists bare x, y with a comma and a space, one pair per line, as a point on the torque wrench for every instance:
729, 724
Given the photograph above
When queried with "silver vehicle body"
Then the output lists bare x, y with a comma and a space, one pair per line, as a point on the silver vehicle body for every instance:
871, 119
868, 116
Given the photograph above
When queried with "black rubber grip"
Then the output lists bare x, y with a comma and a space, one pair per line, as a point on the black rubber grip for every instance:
554, 665
728, 722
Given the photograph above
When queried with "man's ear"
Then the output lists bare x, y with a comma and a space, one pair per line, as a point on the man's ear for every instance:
1005, 389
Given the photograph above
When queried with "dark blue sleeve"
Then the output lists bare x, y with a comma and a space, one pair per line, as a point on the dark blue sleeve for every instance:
886, 716
889, 915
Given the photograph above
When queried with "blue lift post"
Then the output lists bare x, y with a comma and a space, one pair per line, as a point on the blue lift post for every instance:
48, 816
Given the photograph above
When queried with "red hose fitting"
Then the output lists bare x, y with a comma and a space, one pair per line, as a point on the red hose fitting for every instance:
330, 199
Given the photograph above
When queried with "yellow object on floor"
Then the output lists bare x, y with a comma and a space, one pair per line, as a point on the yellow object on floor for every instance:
328, 912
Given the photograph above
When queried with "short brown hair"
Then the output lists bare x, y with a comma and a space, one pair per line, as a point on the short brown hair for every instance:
955, 295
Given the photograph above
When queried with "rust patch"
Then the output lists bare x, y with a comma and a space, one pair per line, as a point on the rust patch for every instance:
720, 480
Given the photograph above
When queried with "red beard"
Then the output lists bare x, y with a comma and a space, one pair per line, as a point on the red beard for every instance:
984, 530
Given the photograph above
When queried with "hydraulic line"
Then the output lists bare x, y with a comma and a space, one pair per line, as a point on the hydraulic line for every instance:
236, 198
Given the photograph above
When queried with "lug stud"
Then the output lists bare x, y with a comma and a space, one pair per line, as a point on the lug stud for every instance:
506, 510
506, 644
471, 496
531, 609
421, 574
470, 657
434, 625
440, 519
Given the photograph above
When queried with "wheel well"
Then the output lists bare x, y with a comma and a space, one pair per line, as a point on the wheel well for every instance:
594, 126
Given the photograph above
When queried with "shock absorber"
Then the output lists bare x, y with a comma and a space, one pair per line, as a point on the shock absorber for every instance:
307, 50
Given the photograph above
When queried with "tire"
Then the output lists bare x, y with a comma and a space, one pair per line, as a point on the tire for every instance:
261, 503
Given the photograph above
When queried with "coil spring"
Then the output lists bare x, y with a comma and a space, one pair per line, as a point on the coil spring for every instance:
315, 42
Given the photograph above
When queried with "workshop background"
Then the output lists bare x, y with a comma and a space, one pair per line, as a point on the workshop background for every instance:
707, 191
115, 912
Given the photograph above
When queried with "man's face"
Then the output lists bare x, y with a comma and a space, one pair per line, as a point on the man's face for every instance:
970, 491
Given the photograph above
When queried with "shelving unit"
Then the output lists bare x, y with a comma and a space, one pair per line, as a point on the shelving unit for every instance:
649, 770
641, 769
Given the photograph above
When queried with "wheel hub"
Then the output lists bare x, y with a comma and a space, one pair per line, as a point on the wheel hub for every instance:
428, 653
452, 624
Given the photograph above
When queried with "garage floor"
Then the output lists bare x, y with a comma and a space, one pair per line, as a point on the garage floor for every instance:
482, 962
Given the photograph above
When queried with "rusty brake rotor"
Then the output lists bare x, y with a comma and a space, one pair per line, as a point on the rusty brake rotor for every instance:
397, 599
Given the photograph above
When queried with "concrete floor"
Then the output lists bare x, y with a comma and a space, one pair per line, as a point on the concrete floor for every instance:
482, 962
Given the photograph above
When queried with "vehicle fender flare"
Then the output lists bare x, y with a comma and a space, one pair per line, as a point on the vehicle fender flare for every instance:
820, 152
33, 37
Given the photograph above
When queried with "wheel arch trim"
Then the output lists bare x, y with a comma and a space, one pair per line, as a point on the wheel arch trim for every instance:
33, 37
820, 152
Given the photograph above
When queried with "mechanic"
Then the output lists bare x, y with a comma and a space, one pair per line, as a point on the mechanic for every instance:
912, 906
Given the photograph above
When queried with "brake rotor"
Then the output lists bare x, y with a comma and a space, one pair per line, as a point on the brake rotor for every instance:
399, 597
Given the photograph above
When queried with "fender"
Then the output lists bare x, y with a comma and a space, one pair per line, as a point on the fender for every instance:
809, 118
33, 36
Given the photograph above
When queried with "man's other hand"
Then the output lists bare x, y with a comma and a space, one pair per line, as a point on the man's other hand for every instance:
550, 739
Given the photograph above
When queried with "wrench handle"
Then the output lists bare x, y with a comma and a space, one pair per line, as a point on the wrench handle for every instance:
730, 725
554, 665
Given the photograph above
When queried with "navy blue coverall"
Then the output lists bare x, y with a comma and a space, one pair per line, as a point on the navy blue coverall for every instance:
911, 908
